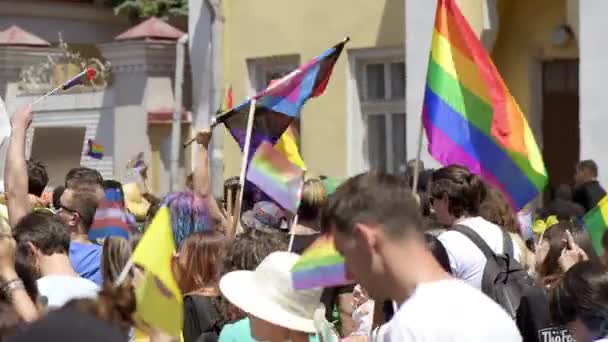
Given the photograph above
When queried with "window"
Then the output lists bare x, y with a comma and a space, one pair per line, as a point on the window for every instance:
381, 83
266, 69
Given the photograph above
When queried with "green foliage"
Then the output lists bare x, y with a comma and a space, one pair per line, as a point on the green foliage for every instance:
150, 8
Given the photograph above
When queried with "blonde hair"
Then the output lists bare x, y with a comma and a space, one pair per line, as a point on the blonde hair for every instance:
312, 200
116, 253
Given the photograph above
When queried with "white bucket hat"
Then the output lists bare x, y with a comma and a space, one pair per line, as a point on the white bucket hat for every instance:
267, 293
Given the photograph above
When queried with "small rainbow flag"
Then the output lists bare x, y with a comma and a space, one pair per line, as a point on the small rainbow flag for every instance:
471, 118
95, 150
319, 266
274, 174
81, 79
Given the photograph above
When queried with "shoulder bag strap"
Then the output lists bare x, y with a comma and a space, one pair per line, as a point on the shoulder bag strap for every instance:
476, 239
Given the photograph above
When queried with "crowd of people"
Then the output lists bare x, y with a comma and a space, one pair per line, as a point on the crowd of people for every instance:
447, 261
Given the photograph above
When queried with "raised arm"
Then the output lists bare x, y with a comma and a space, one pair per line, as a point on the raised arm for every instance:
15, 171
202, 179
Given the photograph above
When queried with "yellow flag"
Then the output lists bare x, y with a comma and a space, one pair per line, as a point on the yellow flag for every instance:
287, 146
159, 300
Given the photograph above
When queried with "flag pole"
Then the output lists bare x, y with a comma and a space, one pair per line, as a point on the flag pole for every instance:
292, 232
56, 89
123, 274
418, 155
245, 155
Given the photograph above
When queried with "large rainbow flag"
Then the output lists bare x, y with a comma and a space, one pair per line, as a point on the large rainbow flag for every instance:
281, 101
471, 118
596, 223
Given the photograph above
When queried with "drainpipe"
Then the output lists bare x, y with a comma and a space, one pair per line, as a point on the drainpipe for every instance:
176, 129
217, 144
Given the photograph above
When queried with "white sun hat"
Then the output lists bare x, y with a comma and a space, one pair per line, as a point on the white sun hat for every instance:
267, 293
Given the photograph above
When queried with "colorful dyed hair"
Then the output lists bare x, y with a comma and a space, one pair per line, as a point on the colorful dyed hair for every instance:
189, 214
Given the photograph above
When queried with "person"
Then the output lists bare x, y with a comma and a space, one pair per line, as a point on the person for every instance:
580, 301
43, 243
245, 252
587, 191
116, 252
496, 209
456, 196
18, 288
275, 313
338, 299
265, 216
533, 315
86, 179
441, 255
309, 212
188, 214
605, 246
111, 217
562, 205
377, 226
77, 211
37, 178
197, 268
70, 325
57, 193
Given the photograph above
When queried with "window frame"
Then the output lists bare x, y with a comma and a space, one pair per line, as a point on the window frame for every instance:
386, 107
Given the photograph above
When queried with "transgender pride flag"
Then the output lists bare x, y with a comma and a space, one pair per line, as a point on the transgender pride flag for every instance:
281, 102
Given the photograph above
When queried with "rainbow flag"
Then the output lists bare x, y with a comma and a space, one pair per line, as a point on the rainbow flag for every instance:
276, 176
471, 118
281, 101
227, 104
319, 266
596, 223
287, 145
81, 79
159, 300
95, 150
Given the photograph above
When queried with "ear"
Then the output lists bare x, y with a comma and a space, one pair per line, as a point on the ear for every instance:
32, 250
367, 235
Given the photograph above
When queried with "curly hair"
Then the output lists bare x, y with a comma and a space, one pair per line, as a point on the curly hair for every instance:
464, 190
189, 214
246, 252
37, 176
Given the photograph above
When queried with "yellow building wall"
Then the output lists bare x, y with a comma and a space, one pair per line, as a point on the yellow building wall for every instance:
265, 28
524, 39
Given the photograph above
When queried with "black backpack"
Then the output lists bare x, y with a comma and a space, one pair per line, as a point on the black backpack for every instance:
504, 279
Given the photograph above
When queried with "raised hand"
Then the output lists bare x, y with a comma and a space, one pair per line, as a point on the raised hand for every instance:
571, 254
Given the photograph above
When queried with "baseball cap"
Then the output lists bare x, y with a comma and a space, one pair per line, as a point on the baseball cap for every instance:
264, 215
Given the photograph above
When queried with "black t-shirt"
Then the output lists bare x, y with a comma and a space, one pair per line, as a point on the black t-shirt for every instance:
589, 194
534, 321
330, 295
202, 319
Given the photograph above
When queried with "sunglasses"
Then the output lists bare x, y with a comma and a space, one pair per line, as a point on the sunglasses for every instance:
64, 208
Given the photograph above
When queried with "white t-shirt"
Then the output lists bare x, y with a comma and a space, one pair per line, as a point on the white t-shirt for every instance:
449, 311
59, 289
466, 260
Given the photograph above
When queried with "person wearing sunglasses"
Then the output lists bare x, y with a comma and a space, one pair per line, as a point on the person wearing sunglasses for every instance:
77, 210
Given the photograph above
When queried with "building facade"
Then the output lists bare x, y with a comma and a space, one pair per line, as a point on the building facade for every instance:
360, 120
128, 113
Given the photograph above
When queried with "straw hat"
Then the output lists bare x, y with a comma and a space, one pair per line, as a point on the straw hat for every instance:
267, 293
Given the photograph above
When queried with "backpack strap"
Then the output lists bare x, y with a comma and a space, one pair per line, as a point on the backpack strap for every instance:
507, 244
476, 239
